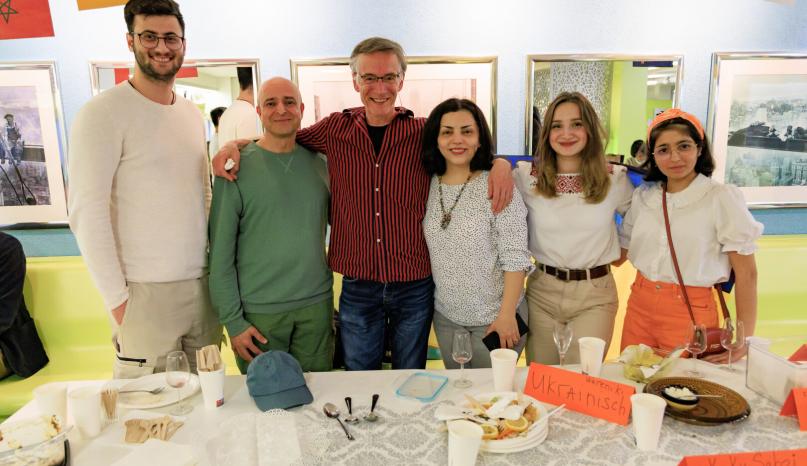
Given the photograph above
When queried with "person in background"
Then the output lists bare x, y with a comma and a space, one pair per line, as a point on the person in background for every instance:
213, 145
712, 230
269, 279
139, 197
12, 139
240, 121
479, 260
638, 154
379, 191
571, 194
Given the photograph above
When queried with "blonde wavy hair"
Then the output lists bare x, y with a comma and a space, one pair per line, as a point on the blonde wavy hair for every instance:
593, 166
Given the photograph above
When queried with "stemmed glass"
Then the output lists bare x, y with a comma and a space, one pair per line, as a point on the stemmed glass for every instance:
177, 375
461, 353
696, 345
732, 338
563, 335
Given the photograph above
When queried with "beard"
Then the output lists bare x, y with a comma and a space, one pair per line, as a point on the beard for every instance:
142, 59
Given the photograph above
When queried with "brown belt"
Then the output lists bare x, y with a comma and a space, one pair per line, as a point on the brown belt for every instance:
576, 275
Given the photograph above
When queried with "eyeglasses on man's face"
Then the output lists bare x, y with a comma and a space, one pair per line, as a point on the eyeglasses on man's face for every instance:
370, 79
150, 40
682, 148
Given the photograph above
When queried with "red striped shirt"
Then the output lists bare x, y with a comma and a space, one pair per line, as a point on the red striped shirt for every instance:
377, 201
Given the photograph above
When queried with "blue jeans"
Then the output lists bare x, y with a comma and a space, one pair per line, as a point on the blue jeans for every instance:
365, 307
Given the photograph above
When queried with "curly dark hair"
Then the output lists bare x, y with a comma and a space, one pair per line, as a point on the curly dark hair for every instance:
705, 164
433, 160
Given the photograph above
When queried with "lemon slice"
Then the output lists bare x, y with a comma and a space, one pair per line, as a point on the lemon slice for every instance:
489, 432
519, 425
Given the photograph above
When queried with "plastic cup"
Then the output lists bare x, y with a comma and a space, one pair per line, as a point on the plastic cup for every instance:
592, 350
759, 342
212, 383
51, 398
503, 361
464, 438
647, 412
85, 407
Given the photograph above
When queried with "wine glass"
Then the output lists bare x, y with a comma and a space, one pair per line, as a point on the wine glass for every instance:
732, 338
696, 345
177, 375
461, 353
562, 334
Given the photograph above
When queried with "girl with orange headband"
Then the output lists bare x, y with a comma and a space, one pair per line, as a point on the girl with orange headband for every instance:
712, 231
571, 195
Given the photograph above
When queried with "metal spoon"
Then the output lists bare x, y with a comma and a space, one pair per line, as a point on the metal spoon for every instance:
350, 418
331, 410
153, 391
371, 416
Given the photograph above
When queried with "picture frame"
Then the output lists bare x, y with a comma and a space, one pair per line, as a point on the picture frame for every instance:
757, 126
33, 157
326, 85
610, 82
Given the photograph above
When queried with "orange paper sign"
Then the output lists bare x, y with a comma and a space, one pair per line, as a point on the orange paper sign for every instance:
761, 458
799, 355
796, 405
91, 4
589, 395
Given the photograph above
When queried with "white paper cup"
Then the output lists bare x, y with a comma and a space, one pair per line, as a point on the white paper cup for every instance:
212, 383
85, 408
464, 438
503, 361
592, 350
647, 412
51, 398
758, 342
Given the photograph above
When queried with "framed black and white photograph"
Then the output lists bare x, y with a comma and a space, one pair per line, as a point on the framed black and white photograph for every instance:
32, 149
326, 85
758, 126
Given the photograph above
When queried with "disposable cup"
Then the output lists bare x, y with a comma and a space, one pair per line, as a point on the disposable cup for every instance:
503, 361
212, 383
758, 342
85, 408
51, 398
464, 438
592, 350
647, 412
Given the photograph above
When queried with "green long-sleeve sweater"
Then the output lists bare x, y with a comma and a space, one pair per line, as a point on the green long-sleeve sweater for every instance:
267, 236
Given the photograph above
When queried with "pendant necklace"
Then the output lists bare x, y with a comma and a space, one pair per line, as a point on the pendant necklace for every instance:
447, 215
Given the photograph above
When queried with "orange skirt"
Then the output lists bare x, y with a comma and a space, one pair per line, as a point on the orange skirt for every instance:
657, 314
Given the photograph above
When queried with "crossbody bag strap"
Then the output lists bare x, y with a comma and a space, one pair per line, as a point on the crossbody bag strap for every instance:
723, 305
672, 253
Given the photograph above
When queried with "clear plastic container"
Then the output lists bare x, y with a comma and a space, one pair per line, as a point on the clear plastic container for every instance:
422, 386
33, 442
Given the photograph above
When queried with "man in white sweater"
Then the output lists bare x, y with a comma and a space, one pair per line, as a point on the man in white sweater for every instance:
139, 199
240, 120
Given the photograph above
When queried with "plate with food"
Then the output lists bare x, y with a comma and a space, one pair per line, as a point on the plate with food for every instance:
698, 401
510, 421
152, 391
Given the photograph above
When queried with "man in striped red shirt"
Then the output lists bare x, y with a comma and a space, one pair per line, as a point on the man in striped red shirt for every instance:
378, 198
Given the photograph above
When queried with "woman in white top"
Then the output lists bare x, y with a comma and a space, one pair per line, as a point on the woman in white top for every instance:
478, 259
571, 195
712, 232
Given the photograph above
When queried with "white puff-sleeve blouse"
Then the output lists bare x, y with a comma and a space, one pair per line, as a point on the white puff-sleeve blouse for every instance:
707, 220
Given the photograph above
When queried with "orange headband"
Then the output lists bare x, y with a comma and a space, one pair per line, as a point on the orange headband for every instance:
675, 113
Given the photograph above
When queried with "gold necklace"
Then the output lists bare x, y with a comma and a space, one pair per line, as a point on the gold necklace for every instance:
447, 215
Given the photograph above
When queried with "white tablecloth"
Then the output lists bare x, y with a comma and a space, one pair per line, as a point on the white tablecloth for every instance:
408, 433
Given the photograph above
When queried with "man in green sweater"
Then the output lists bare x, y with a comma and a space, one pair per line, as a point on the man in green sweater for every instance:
269, 278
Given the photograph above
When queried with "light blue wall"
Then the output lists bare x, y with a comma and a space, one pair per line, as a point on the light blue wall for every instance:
510, 29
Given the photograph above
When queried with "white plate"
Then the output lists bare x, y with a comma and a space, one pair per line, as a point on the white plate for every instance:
511, 445
145, 400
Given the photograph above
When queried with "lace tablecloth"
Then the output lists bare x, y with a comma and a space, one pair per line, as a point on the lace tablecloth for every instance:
408, 434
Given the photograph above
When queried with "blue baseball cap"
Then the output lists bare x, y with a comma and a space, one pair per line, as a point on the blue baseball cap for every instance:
275, 381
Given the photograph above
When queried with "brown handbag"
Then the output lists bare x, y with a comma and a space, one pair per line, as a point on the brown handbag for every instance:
713, 345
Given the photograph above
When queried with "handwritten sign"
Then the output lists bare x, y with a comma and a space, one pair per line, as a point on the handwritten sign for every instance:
756, 458
796, 405
799, 355
582, 393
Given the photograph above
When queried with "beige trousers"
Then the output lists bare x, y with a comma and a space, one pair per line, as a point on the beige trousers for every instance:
588, 305
160, 318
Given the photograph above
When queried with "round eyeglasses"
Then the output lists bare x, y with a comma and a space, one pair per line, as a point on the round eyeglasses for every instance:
150, 40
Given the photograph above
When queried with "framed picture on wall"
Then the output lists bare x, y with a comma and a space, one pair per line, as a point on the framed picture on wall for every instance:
627, 91
326, 85
757, 123
32, 149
